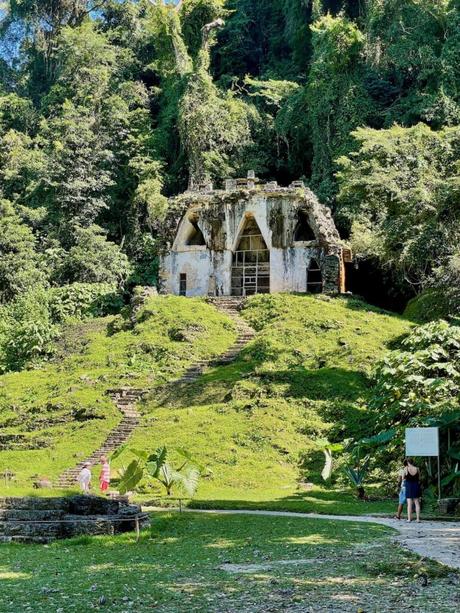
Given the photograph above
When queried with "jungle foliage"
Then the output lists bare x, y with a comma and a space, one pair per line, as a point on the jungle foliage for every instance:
109, 106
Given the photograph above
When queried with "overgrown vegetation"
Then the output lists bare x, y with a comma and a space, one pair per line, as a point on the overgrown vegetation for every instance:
107, 107
258, 423
57, 414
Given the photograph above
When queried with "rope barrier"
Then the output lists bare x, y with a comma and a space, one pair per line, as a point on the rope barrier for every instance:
73, 521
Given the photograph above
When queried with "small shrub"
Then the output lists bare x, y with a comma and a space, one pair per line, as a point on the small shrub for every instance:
84, 300
27, 332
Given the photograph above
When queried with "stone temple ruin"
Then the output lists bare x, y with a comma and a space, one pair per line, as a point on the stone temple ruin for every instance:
251, 238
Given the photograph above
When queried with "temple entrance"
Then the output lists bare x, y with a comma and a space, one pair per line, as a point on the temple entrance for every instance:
251, 262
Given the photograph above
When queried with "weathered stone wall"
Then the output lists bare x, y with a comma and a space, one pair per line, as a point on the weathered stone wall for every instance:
221, 216
44, 519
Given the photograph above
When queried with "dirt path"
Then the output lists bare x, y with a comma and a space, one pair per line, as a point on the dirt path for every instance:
438, 541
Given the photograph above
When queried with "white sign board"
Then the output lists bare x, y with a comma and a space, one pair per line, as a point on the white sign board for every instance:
422, 441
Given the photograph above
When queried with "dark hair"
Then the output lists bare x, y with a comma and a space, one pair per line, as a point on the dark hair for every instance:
405, 462
409, 461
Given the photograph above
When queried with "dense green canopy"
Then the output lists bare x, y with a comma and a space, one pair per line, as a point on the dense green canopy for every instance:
109, 106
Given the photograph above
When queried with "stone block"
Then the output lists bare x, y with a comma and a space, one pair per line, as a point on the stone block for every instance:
449, 506
92, 505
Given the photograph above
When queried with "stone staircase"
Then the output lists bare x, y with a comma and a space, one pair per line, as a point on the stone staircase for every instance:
230, 306
125, 400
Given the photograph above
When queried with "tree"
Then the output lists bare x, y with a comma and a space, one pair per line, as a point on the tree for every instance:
40, 24
214, 127
265, 39
94, 259
20, 265
79, 173
421, 379
336, 98
413, 46
399, 193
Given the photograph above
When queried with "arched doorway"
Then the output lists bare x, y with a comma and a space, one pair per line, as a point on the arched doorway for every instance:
195, 236
251, 262
303, 230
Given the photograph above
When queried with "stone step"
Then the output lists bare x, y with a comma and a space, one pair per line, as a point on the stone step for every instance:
38, 540
126, 398
28, 529
29, 515
31, 503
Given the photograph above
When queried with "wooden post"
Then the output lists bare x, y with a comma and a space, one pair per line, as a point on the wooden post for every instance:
439, 477
138, 534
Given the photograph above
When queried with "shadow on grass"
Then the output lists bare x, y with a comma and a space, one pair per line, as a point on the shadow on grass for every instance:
215, 385
322, 502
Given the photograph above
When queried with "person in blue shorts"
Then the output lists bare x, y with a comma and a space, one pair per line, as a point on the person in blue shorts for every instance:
402, 491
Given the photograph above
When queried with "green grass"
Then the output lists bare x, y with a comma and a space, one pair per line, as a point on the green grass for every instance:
62, 412
254, 422
182, 565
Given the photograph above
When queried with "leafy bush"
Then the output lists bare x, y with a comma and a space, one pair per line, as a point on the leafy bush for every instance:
83, 300
434, 304
398, 193
29, 324
26, 332
94, 259
20, 265
421, 379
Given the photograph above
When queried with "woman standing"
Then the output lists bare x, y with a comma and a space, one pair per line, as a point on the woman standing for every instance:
104, 477
413, 490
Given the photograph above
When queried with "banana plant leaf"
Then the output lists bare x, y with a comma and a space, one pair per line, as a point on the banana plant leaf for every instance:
131, 477
117, 453
190, 459
327, 469
451, 477
378, 439
140, 453
454, 452
444, 421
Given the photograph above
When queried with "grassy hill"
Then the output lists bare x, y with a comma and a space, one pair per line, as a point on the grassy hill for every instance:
56, 415
253, 422
304, 376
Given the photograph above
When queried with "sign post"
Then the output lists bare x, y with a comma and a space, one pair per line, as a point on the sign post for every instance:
424, 442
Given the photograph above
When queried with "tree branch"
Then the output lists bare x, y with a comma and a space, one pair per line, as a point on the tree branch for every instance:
203, 59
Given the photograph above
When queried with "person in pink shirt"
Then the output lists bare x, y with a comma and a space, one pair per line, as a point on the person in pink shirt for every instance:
104, 477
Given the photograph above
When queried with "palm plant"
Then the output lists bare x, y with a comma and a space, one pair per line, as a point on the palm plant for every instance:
358, 473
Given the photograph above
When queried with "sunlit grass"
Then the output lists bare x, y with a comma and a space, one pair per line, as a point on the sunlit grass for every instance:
181, 565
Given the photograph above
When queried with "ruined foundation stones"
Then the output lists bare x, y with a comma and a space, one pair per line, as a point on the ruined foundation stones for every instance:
41, 520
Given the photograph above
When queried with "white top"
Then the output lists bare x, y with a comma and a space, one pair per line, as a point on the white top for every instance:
84, 476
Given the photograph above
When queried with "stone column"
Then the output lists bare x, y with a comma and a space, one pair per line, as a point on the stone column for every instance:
331, 274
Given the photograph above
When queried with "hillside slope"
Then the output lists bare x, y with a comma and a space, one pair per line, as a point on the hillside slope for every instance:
56, 415
253, 421
304, 376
